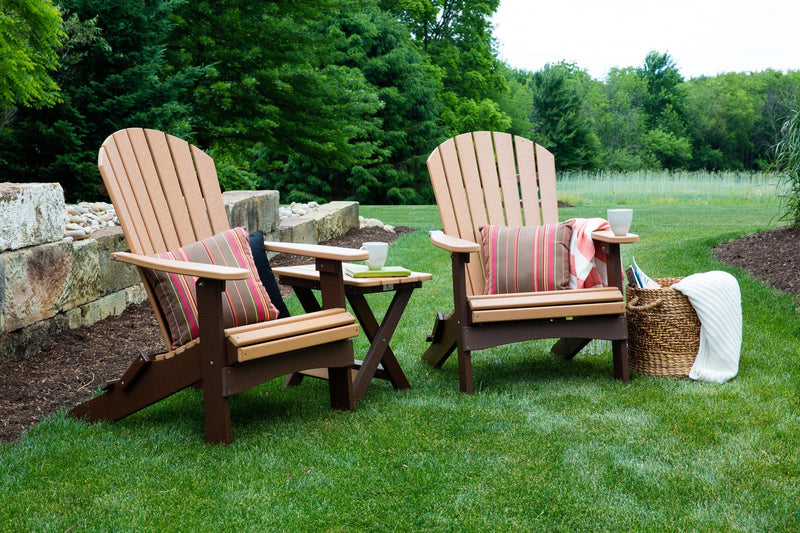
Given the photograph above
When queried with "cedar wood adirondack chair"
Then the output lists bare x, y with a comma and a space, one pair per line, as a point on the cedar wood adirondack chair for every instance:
166, 195
484, 178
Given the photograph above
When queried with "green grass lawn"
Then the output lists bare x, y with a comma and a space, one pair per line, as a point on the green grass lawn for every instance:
544, 444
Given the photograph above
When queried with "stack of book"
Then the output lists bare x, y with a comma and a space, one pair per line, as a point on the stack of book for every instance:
362, 271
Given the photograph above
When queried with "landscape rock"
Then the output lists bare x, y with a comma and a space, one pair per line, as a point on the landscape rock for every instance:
335, 218
301, 230
21, 343
110, 305
33, 283
252, 210
80, 285
30, 214
86, 218
113, 275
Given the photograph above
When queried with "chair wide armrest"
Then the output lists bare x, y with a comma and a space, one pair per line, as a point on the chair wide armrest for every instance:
453, 244
318, 250
185, 268
607, 235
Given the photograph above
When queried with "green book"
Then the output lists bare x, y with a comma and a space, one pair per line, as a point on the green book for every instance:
362, 271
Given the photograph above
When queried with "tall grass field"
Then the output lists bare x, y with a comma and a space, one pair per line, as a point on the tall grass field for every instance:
670, 188
543, 444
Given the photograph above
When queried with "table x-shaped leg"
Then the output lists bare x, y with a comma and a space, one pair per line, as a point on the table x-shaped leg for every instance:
379, 336
380, 359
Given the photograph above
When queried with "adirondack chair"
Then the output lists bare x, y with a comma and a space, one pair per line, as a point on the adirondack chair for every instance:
166, 195
488, 178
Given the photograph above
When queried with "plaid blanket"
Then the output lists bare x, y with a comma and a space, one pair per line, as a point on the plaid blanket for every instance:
587, 267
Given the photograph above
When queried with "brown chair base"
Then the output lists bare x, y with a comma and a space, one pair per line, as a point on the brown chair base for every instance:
448, 336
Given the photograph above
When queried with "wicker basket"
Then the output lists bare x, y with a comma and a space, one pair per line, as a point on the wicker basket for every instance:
663, 330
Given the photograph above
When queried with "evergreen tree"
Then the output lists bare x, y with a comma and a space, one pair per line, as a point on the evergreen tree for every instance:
558, 121
380, 47
275, 103
666, 139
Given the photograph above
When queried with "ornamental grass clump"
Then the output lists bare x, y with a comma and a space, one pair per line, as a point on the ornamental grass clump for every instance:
788, 163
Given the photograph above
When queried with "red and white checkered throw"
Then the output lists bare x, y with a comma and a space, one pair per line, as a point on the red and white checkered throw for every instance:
587, 266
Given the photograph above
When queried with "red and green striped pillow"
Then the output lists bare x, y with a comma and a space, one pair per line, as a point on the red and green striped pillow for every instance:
526, 258
244, 301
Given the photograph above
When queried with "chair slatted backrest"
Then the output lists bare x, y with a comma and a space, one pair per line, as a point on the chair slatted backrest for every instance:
165, 191
494, 178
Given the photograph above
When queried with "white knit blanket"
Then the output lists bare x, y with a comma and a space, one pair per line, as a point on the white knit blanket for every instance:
717, 300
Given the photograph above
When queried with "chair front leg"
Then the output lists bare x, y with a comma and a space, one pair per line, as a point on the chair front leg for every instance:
615, 279
462, 317
331, 283
620, 354
212, 360
447, 328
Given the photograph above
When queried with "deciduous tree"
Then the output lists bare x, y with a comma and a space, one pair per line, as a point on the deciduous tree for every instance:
30, 32
456, 35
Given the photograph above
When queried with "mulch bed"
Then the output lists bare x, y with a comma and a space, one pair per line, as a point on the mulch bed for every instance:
772, 256
78, 361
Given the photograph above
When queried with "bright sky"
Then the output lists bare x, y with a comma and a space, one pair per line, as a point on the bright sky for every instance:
703, 37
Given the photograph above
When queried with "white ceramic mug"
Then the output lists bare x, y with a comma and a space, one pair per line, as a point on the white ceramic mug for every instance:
620, 220
377, 254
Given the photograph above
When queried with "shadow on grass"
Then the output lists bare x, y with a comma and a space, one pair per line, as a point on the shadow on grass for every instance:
524, 365
252, 411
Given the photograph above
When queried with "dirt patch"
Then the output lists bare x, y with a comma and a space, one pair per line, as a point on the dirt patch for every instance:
78, 361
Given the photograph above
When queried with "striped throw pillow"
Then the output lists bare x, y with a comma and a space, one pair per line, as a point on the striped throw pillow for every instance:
526, 258
244, 301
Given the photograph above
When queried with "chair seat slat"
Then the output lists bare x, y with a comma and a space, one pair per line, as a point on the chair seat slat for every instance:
548, 312
281, 328
542, 299
297, 342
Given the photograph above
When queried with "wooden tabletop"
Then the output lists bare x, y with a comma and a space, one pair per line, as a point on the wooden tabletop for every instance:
309, 272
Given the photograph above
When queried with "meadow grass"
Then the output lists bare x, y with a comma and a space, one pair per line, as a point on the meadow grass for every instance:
544, 444
670, 188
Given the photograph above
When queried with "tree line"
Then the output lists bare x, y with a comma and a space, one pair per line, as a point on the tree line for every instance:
344, 99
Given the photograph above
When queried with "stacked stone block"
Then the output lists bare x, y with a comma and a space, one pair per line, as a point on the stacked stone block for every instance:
319, 225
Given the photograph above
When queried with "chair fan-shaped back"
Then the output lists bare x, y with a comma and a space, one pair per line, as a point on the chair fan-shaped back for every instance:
165, 191
493, 178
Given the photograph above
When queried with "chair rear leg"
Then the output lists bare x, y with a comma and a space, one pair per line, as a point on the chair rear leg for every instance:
144, 384
443, 340
569, 348
620, 351
293, 380
465, 371
340, 386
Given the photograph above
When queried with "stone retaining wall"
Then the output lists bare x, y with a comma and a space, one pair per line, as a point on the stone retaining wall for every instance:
49, 283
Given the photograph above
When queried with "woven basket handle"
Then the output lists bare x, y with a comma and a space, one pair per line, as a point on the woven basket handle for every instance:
646, 307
